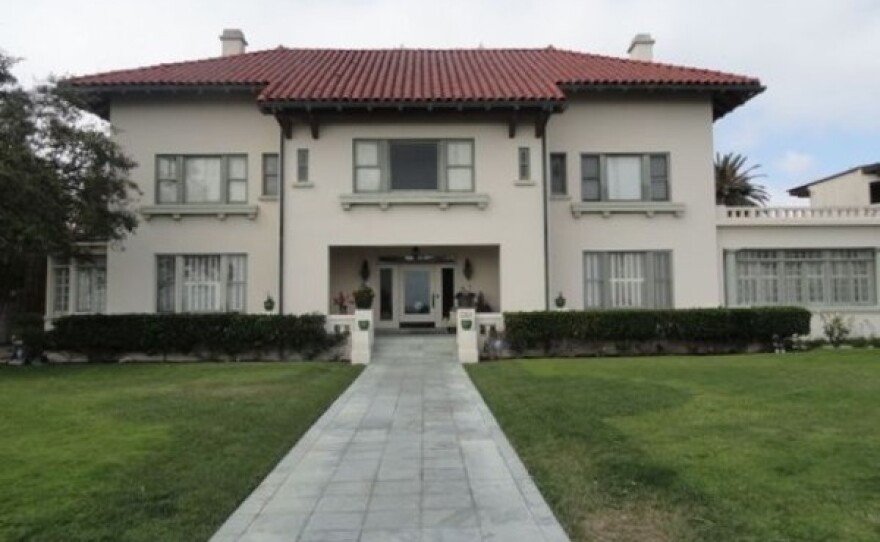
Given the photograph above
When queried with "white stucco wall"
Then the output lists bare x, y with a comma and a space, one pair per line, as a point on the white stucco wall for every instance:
679, 126
316, 220
147, 127
865, 321
850, 189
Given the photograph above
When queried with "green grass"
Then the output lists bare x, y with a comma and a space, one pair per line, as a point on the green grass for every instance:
745, 448
147, 452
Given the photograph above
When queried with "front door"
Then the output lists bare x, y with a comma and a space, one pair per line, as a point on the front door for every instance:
419, 297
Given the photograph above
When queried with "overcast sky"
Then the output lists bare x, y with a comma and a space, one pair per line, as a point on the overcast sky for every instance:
820, 59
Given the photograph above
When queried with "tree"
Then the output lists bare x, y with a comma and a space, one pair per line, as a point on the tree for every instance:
735, 184
63, 180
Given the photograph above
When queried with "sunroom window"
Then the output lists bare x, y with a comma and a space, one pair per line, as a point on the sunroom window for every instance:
413, 165
80, 285
812, 277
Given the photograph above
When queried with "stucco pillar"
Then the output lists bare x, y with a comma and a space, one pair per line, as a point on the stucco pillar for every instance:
362, 336
466, 336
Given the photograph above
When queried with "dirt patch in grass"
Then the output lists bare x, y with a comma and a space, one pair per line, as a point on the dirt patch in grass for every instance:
638, 522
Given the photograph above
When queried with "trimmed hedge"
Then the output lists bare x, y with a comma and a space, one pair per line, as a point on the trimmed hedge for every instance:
105, 337
524, 330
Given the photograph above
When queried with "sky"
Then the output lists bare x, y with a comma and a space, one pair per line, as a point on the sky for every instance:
819, 59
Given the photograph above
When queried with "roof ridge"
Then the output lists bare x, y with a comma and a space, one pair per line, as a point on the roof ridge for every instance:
647, 63
175, 64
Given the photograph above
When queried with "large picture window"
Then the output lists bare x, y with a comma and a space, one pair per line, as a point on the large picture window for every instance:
624, 177
201, 283
813, 277
384, 165
201, 179
627, 279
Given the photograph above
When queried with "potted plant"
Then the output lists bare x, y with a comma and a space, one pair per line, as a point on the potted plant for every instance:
341, 302
363, 297
466, 299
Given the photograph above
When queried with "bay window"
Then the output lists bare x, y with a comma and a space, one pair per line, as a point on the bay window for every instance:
423, 165
624, 177
201, 179
201, 283
627, 279
812, 277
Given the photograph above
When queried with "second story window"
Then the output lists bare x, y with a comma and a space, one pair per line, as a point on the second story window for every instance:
201, 179
384, 165
558, 174
524, 164
270, 175
875, 192
302, 165
624, 177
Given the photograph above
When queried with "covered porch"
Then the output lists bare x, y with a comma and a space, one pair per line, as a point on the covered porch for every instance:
415, 286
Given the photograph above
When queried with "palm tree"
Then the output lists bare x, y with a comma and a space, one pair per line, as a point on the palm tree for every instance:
735, 184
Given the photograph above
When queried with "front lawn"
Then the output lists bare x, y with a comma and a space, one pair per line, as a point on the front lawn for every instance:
744, 448
147, 452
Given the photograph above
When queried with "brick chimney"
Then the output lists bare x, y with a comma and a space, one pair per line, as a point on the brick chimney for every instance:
232, 42
642, 48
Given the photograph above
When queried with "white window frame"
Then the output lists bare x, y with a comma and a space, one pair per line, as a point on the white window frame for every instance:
655, 284
223, 286
66, 292
179, 178
763, 277
383, 164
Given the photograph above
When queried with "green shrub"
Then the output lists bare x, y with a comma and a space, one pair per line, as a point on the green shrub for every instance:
30, 329
525, 330
106, 337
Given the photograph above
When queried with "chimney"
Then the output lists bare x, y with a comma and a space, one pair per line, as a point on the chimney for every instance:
232, 42
642, 48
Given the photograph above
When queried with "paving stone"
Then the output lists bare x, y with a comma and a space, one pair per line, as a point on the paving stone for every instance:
410, 452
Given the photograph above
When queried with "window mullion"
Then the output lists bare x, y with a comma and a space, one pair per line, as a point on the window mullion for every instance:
603, 177
180, 175
178, 283
650, 278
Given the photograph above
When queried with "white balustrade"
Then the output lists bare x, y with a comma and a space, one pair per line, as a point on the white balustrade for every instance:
764, 216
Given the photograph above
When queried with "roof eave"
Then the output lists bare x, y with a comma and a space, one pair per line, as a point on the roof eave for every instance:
725, 97
274, 106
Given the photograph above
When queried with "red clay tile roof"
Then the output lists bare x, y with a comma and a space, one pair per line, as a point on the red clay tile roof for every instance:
419, 75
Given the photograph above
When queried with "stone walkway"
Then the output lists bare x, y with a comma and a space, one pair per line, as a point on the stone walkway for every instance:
410, 452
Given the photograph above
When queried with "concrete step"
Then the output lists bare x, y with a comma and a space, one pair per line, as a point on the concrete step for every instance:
403, 347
